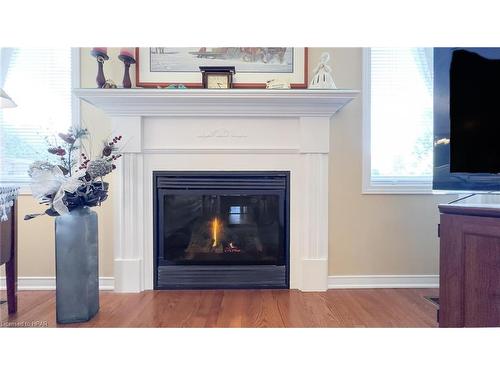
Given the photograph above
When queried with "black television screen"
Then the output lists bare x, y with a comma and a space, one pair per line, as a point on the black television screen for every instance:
466, 119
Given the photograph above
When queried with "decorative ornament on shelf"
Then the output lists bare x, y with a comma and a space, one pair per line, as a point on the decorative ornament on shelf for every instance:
101, 55
127, 56
175, 86
274, 84
323, 74
109, 84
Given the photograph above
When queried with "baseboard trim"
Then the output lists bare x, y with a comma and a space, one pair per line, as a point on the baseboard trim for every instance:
49, 283
382, 281
334, 282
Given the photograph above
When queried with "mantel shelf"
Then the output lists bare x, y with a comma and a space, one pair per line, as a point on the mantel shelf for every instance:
199, 102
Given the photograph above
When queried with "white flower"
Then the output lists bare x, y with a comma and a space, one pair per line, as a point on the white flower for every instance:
54, 182
40, 165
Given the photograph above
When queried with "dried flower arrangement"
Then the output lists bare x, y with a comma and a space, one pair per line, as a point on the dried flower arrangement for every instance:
69, 178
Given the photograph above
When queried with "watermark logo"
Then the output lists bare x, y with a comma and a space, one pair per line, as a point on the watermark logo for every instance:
25, 324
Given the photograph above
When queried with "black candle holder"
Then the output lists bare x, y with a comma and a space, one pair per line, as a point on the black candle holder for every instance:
100, 57
127, 61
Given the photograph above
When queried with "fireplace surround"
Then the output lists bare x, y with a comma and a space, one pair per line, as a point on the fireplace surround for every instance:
221, 229
222, 131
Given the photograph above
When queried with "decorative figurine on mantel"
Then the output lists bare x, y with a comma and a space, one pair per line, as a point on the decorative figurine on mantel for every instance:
277, 83
175, 86
127, 56
323, 74
109, 84
101, 55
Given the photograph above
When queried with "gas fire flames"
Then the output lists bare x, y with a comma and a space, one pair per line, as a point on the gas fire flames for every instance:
215, 232
218, 245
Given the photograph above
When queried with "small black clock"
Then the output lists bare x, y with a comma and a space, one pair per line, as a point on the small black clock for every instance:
217, 77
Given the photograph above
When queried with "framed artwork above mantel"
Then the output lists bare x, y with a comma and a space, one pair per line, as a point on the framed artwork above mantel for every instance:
163, 66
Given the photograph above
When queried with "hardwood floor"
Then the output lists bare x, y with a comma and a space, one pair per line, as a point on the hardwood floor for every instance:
239, 308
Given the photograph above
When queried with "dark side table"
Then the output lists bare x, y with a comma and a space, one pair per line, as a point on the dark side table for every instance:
8, 251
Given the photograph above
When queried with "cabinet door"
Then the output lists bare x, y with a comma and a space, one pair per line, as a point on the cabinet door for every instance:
482, 280
469, 271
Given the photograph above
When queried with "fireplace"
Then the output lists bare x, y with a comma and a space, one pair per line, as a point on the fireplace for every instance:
232, 130
221, 230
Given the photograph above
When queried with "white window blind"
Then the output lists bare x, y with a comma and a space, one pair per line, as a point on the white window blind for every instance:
401, 115
39, 81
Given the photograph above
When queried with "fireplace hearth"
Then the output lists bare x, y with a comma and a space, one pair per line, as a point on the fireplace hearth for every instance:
221, 230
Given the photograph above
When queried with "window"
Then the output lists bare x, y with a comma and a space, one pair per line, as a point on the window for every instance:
398, 119
40, 82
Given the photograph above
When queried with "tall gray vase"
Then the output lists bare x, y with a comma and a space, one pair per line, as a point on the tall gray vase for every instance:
77, 279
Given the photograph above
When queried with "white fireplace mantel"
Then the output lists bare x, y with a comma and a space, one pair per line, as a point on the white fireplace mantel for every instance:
220, 130
199, 102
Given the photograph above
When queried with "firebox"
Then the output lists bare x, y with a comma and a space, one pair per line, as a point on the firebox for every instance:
217, 230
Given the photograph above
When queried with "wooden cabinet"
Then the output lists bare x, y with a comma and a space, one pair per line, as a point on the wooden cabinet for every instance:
469, 281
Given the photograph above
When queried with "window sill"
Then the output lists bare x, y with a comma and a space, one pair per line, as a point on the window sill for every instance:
400, 191
401, 187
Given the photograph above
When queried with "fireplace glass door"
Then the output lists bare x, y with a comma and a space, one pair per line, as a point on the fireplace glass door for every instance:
222, 223
222, 228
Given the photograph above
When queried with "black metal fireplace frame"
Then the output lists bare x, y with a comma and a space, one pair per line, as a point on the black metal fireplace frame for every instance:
157, 175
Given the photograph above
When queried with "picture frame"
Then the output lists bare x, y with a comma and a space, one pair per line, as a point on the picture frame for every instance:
164, 66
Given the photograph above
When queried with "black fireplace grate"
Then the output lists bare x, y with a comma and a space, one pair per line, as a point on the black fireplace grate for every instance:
215, 277
208, 182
